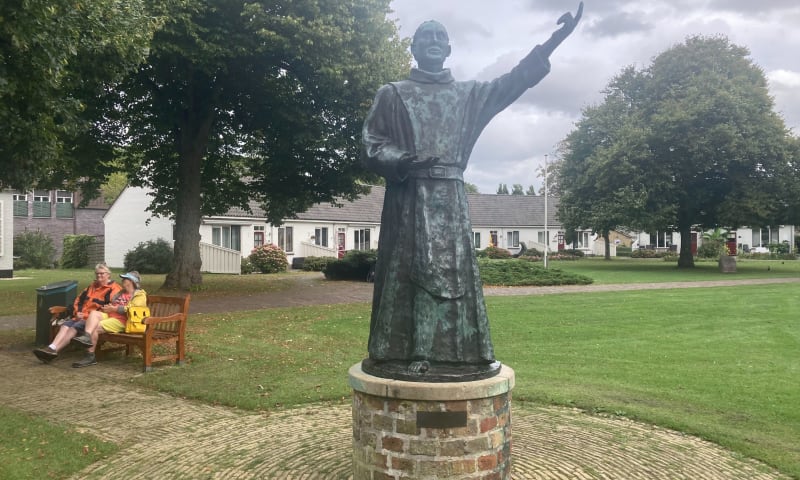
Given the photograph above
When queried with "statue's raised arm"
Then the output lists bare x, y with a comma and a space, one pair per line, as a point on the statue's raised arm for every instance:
568, 24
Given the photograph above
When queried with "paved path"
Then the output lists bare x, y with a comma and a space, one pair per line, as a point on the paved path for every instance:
182, 439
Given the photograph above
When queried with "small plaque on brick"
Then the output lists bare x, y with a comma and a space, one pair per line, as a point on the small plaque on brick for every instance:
441, 419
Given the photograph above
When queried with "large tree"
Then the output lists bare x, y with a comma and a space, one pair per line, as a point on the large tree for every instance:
58, 56
691, 141
262, 101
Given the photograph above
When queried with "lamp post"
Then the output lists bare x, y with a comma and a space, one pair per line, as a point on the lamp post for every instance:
546, 233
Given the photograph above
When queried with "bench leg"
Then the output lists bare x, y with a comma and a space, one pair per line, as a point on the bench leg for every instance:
147, 353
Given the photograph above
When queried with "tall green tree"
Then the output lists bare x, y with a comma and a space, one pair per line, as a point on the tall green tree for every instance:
690, 142
471, 188
517, 189
263, 101
58, 57
502, 189
531, 190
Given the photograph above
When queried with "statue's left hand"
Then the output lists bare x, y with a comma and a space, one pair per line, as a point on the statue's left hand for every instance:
569, 22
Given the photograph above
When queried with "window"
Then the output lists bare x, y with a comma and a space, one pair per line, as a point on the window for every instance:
286, 239
361, 239
321, 236
661, 239
258, 235
41, 203
64, 204
493, 238
20, 204
228, 236
583, 239
542, 237
476, 239
512, 238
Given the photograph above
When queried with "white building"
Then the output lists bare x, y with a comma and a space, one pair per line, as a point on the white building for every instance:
328, 230
6, 234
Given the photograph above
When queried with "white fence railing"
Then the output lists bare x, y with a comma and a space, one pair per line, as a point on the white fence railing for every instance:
312, 250
218, 259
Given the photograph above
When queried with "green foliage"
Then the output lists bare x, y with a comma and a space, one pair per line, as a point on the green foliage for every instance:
269, 258
502, 189
253, 101
247, 267
530, 252
471, 188
58, 56
33, 447
517, 189
76, 251
691, 140
494, 252
33, 249
515, 272
623, 251
647, 253
153, 256
115, 184
356, 265
711, 249
317, 264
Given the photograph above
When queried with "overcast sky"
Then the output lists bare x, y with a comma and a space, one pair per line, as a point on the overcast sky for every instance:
490, 37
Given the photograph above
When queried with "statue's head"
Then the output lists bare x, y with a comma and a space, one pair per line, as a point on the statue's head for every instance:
430, 46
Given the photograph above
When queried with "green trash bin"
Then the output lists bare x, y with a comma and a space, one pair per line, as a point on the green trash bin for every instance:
52, 295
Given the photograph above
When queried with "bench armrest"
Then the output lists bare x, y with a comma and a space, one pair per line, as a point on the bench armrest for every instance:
175, 317
57, 310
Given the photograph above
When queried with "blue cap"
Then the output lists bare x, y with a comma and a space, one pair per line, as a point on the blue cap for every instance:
133, 277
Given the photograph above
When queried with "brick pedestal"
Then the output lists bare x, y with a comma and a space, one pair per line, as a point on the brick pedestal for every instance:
416, 430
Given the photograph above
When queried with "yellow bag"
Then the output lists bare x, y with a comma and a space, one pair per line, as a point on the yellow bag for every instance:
136, 316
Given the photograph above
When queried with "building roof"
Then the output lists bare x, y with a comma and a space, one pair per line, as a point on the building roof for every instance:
486, 210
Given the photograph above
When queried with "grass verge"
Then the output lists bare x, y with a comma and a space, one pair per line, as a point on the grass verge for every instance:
32, 448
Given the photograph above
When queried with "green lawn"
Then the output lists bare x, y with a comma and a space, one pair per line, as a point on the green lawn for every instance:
32, 448
721, 363
628, 270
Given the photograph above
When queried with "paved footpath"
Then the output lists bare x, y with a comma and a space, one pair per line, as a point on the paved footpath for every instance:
176, 438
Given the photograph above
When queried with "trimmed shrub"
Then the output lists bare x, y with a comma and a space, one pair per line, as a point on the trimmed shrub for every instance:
356, 265
33, 250
317, 264
516, 272
153, 256
247, 267
269, 258
645, 253
624, 251
494, 252
76, 251
711, 249
530, 252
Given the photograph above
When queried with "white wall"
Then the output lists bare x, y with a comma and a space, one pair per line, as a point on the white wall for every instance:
126, 225
6, 231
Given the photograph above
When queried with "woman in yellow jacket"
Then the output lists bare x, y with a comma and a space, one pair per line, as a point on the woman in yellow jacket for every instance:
113, 316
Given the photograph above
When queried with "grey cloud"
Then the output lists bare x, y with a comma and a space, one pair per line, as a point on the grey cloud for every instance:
751, 7
618, 24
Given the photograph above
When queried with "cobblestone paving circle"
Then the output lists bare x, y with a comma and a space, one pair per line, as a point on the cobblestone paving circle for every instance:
181, 439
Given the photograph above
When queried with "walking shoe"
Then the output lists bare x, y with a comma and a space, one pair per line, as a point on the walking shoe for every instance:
45, 354
83, 339
87, 361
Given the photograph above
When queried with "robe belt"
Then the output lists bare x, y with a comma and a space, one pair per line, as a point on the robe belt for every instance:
443, 172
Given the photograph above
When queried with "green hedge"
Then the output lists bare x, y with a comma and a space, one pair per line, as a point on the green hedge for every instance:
33, 250
76, 251
153, 256
356, 265
317, 264
516, 272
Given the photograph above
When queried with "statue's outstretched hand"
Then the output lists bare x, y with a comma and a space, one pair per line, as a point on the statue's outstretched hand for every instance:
568, 22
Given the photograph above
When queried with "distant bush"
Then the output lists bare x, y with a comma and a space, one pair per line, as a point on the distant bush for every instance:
711, 249
76, 251
269, 258
246, 267
153, 256
494, 252
33, 250
516, 272
646, 253
317, 264
624, 251
356, 265
530, 252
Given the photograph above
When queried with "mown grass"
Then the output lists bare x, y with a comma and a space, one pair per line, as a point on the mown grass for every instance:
720, 363
18, 295
32, 448
632, 270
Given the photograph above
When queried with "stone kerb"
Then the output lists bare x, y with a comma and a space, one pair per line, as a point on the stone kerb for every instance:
420, 430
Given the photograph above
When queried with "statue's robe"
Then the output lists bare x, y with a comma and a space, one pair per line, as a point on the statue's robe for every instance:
428, 299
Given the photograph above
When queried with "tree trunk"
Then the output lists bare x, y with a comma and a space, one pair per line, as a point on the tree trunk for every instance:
608, 245
192, 140
686, 259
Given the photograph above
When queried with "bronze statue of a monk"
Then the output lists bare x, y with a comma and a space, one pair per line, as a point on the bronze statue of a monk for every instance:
429, 319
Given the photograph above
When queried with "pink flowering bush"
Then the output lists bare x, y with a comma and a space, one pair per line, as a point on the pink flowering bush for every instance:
268, 258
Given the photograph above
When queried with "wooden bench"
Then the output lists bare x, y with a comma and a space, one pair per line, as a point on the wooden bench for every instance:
165, 326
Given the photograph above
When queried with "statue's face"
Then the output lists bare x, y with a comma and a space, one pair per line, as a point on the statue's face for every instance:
431, 45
